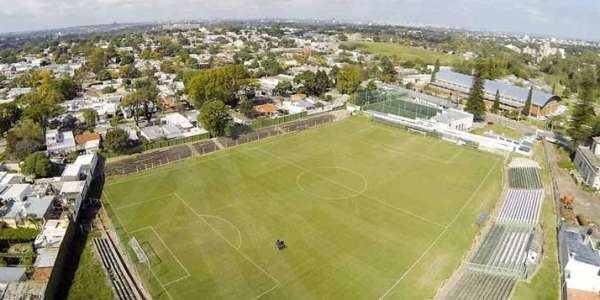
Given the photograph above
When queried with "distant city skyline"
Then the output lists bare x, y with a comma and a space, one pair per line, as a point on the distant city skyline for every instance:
567, 18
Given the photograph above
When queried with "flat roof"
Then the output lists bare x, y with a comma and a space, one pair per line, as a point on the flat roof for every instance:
72, 187
38, 206
9, 274
71, 170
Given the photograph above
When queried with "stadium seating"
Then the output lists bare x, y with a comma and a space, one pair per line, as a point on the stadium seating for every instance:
477, 285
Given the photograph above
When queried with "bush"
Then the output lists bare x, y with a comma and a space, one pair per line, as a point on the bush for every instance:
18, 234
37, 165
566, 164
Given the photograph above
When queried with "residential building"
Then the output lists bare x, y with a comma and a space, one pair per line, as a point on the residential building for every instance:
511, 96
88, 143
455, 119
266, 109
587, 160
58, 143
582, 270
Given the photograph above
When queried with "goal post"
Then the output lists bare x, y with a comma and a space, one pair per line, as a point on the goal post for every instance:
421, 132
139, 252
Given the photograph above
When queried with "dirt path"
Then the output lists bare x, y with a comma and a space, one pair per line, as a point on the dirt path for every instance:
585, 203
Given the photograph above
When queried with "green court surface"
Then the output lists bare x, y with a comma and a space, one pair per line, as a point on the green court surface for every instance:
366, 211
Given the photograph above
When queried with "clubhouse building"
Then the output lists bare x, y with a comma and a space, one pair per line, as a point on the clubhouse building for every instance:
511, 96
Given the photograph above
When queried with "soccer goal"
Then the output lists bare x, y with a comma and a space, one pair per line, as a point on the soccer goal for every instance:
139, 252
412, 130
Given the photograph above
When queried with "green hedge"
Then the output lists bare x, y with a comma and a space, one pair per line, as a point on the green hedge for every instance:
18, 234
271, 122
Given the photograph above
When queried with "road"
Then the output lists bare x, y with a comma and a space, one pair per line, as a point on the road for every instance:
524, 128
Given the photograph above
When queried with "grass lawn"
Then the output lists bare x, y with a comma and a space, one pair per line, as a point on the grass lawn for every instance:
367, 211
499, 129
90, 281
403, 52
545, 284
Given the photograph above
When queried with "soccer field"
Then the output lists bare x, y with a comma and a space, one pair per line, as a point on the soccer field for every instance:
366, 211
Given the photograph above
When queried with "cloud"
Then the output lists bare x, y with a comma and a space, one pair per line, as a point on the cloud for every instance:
551, 17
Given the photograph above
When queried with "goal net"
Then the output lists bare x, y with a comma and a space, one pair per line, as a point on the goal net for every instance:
139, 252
416, 131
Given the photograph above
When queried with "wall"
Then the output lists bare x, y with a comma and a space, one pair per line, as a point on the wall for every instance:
63, 258
586, 170
582, 276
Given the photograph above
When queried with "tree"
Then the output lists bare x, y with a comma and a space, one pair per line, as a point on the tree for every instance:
371, 86
476, 101
527, 107
114, 121
342, 37
348, 79
436, 67
496, 106
90, 116
583, 116
108, 89
9, 116
24, 139
129, 71
133, 102
246, 108
283, 88
433, 77
97, 61
37, 165
217, 84
214, 117
66, 87
388, 71
116, 140
313, 83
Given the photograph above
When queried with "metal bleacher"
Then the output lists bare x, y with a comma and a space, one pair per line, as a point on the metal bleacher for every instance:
501, 259
118, 275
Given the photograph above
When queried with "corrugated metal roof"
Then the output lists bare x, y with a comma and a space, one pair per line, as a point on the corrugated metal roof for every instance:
511, 91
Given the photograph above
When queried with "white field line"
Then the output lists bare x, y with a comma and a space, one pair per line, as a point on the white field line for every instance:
455, 156
116, 214
355, 191
234, 227
228, 242
441, 234
363, 130
177, 280
169, 249
140, 229
143, 202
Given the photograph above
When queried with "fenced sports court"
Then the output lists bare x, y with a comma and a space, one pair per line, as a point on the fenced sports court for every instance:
396, 103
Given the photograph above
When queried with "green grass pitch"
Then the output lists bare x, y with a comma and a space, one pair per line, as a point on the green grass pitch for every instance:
367, 212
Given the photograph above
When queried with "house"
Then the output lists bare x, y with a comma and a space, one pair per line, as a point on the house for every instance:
152, 133
587, 160
10, 274
15, 192
266, 109
38, 206
88, 143
172, 132
298, 106
511, 96
179, 120
87, 163
60, 142
582, 270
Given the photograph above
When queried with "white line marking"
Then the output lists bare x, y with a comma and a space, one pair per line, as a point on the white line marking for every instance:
442, 233
265, 292
234, 227
355, 191
224, 239
140, 229
142, 202
169, 249
177, 280
363, 130
455, 156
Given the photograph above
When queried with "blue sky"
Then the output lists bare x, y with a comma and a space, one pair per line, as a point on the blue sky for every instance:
564, 18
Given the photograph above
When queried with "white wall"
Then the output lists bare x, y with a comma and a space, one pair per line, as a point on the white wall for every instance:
582, 276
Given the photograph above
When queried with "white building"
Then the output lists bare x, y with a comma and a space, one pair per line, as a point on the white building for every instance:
583, 265
455, 119
587, 160
178, 120
60, 142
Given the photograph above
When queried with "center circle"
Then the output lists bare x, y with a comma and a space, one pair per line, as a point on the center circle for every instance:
332, 182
